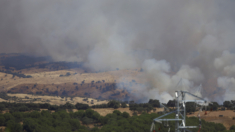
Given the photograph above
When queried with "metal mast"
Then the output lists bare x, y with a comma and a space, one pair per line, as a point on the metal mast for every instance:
180, 112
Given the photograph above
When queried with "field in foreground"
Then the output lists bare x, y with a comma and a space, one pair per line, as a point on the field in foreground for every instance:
91, 121
224, 117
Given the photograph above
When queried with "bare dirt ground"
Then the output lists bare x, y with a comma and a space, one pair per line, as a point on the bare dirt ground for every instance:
213, 116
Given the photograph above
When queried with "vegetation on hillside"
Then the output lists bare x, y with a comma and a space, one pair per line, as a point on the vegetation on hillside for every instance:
16, 74
20, 61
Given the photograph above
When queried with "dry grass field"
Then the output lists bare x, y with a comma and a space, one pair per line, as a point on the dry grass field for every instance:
105, 111
213, 116
227, 119
54, 100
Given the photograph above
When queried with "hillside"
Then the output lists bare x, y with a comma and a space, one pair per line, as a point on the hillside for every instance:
66, 81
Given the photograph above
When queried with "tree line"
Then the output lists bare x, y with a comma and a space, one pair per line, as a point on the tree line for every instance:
214, 106
141, 107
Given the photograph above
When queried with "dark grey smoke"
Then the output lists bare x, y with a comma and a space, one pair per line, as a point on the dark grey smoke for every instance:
190, 35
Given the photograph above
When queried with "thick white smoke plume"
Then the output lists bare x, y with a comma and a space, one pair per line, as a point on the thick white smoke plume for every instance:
229, 85
188, 37
226, 64
158, 72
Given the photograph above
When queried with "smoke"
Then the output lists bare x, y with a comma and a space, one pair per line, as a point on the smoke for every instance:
228, 84
226, 64
158, 73
190, 38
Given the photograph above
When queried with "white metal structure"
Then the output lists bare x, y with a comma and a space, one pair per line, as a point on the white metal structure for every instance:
180, 112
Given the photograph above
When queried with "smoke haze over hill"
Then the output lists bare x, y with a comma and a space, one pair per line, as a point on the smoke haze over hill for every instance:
193, 39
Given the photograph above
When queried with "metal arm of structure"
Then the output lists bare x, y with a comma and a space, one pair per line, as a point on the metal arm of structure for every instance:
197, 101
195, 96
188, 127
187, 130
160, 120
157, 119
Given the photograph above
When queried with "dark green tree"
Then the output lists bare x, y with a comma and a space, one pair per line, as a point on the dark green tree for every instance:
171, 103
190, 107
214, 106
75, 124
14, 127
35, 114
125, 115
113, 104
154, 103
117, 112
123, 105
227, 104
8, 117
29, 125
2, 107
23, 108
18, 116
86, 120
2, 120
232, 127
80, 106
